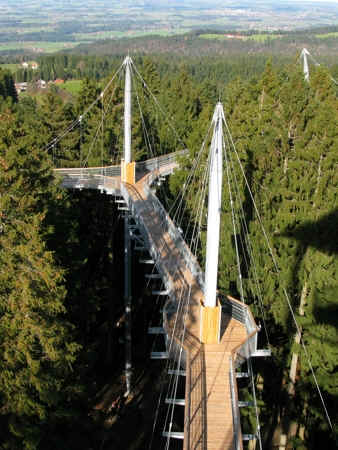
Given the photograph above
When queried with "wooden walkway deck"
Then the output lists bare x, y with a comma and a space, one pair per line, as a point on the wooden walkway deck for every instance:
208, 409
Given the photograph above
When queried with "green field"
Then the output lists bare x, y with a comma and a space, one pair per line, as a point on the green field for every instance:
72, 86
100, 35
38, 47
327, 35
261, 37
12, 67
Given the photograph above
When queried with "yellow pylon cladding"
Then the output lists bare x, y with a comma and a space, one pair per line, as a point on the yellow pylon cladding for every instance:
128, 172
210, 324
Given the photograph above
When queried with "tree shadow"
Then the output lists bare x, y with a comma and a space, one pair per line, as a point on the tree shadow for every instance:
321, 234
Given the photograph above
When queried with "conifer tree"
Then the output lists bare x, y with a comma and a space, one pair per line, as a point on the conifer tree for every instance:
37, 350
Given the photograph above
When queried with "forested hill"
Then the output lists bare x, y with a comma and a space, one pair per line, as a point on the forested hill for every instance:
211, 42
61, 293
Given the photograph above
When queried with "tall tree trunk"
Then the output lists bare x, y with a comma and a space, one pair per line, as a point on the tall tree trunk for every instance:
293, 426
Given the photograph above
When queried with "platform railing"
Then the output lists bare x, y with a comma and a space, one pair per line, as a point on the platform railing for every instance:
95, 177
189, 259
157, 162
241, 312
237, 441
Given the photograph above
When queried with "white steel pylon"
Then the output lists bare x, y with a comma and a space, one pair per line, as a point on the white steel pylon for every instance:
214, 207
127, 110
306, 71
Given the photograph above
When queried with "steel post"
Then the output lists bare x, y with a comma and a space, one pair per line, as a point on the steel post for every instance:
127, 303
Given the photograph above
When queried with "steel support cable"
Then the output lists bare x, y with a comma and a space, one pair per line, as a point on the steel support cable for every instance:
237, 198
172, 383
108, 108
78, 120
100, 126
283, 288
172, 388
258, 427
162, 389
191, 174
317, 64
248, 245
178, 204
201, 189
180, 210
144, 128
102, 137
169, 361
176, 362
241, 283
199, 213
195, 207
146, 135
177, 325
158, 104
179, 365
81, 142
162, 111
242, 223
57, 139
172, 337
234, 226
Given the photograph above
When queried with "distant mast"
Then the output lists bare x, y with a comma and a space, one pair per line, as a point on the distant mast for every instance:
306, 71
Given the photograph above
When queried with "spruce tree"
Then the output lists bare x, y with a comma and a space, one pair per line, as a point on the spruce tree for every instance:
37, 350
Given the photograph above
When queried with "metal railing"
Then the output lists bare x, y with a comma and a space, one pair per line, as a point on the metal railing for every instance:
189, 259
241, 312
236, 420
158, 162
95, 177
137, 208
108, 171
101, 178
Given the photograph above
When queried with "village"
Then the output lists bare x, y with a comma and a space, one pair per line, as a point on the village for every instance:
37, 84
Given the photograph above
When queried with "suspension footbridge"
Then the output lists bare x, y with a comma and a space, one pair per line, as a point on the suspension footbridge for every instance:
210, 339
207, 339
211, 398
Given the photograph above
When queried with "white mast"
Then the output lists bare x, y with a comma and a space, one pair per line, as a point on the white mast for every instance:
306, 71
214, 207
127, 110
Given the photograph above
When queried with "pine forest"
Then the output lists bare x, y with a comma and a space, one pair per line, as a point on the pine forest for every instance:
61, 251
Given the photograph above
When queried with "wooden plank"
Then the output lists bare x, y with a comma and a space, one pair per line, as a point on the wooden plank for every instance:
210, 324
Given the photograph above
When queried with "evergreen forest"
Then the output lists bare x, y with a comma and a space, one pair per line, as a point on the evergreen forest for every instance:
61, 251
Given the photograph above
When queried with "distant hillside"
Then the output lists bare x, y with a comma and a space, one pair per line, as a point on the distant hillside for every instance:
323, 41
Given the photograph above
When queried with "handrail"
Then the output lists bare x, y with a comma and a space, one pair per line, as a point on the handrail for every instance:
159, 161
189, 258
238, 443
149, 164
